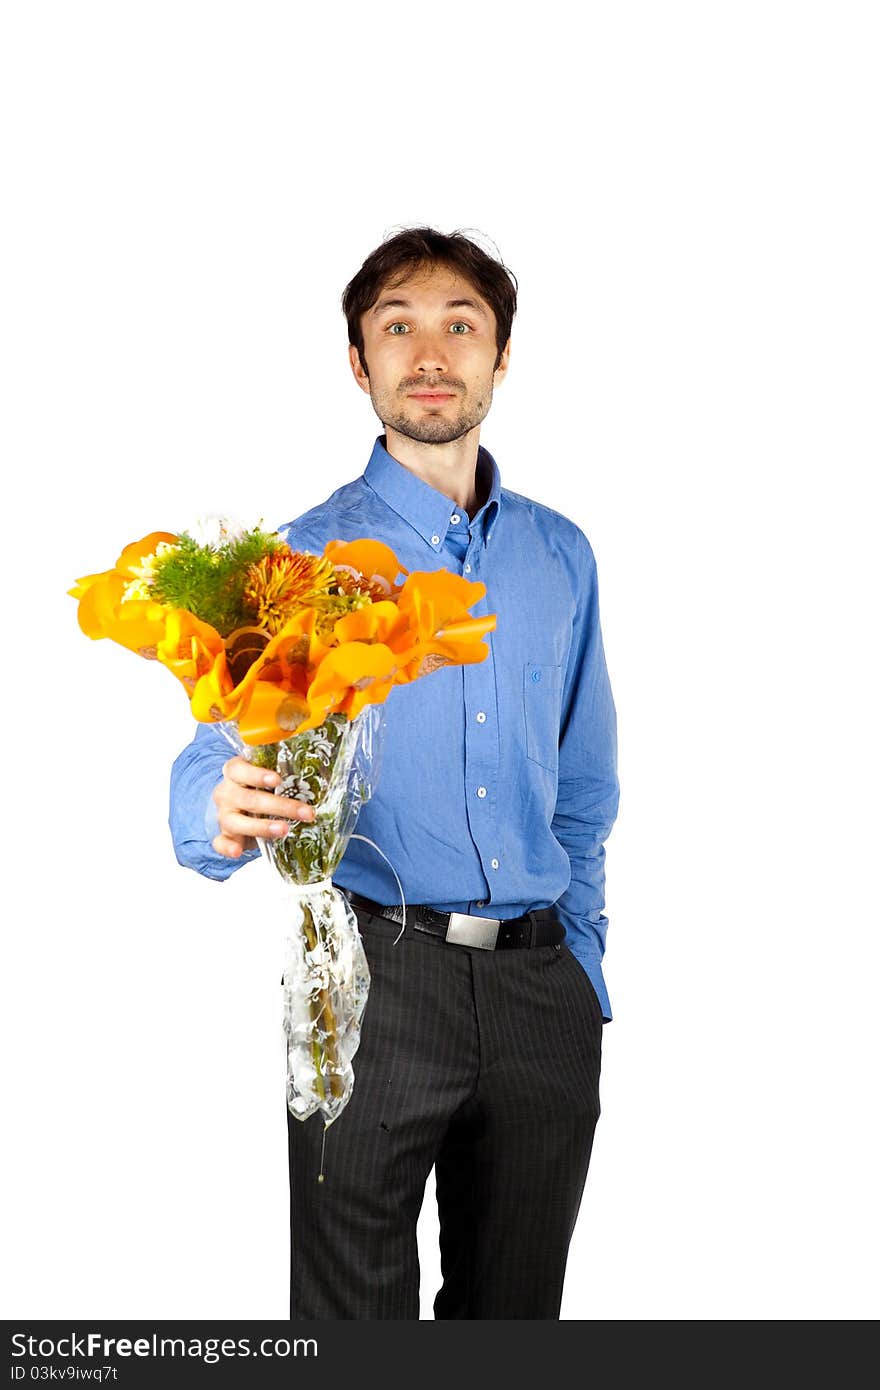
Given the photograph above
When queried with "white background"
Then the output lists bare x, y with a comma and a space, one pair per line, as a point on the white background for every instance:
688, 196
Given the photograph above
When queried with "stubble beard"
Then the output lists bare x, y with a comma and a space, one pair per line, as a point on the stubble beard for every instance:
430, 429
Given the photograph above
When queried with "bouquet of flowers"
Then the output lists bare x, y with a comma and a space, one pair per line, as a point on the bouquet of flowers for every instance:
293, 655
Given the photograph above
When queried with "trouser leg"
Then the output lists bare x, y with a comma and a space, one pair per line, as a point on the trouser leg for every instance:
458, 1211
354, 1250
512, 1167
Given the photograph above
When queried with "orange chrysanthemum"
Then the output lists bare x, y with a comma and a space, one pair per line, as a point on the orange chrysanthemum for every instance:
281, 583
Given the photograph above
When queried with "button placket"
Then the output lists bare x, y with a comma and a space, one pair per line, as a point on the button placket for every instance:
482, 753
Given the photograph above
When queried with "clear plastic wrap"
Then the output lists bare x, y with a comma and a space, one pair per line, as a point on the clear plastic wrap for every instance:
267, 640
326, 978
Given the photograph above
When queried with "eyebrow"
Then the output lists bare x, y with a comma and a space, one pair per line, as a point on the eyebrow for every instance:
450, 304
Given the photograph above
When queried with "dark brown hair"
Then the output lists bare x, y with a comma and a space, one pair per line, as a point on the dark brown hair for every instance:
413, 249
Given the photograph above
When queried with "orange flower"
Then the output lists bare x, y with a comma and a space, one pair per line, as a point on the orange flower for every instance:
286, 674
376, 622
283, 667
351, 676
443, 630
189, 647
282, 582
103, 611
374, 560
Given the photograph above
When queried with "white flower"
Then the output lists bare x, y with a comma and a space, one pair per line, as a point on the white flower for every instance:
140, 587
137, 589
215, 531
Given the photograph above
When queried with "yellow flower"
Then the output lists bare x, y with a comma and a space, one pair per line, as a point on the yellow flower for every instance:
283, 582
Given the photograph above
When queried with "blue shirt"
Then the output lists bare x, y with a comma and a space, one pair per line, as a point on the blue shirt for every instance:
498, 783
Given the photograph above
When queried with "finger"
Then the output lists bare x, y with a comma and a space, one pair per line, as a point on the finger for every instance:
236, 824
245, 774
230, 797
228, 846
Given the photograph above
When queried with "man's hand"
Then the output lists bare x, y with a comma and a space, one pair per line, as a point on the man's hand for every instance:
247, 807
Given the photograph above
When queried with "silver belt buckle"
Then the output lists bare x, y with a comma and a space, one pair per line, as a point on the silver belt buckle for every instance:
472, 931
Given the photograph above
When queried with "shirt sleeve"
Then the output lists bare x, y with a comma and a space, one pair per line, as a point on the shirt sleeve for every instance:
588, 791
193, 816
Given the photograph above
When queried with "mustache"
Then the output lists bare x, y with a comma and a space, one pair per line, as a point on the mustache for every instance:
420, 384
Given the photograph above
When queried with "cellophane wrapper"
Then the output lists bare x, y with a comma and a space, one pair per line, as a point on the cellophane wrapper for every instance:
326, 978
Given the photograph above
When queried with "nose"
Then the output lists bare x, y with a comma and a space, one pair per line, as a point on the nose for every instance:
431, 353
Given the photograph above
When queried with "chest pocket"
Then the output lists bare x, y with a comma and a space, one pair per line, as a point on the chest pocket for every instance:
542, 699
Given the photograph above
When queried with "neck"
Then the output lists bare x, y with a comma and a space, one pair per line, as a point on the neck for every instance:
448, 468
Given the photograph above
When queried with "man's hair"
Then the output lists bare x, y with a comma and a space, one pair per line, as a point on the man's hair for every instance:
416, 248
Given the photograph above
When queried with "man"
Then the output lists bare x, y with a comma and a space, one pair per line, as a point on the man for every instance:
481, 1039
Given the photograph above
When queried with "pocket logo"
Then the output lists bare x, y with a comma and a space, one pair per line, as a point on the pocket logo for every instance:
542, 697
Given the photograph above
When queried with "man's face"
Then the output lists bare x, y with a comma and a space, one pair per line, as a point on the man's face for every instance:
429, 343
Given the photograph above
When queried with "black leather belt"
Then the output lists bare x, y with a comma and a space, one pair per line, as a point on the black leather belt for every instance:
540, 927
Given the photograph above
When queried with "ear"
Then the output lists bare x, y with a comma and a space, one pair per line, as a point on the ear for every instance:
357, 368
501, 369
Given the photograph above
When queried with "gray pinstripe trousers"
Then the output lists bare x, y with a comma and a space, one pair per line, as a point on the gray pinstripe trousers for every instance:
485, 1064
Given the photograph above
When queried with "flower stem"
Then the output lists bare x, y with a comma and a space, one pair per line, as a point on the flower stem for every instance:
326, 1056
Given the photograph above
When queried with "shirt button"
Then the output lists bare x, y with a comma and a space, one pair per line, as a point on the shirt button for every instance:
435, 540
467, 569
455, 518
495, 864
481, 903
536, 676
481, 791
481, 717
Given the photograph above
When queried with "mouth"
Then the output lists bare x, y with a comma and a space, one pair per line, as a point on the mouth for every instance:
431, 397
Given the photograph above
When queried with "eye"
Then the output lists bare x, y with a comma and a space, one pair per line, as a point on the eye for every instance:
392, 327
460, 324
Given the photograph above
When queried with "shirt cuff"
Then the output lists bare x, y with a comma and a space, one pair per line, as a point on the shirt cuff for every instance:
209, 862
579, 946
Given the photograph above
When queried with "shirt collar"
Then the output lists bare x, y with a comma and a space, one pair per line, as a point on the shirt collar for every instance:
422, 506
